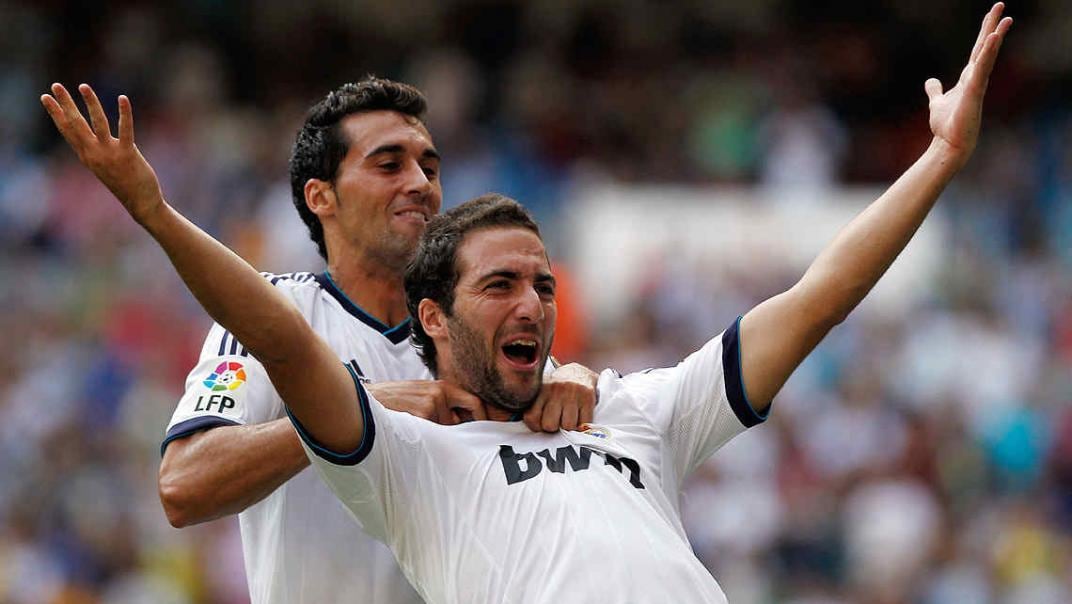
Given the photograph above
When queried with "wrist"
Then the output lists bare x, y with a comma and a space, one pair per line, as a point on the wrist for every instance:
946, 155
153, 215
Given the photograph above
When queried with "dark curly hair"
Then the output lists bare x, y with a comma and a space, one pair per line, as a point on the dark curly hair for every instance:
433, 272
321, 144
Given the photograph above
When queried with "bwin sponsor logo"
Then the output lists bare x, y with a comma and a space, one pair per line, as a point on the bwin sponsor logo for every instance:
520, 467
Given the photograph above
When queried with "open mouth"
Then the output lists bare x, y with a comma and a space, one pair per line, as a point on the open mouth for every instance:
521, 352
413, 215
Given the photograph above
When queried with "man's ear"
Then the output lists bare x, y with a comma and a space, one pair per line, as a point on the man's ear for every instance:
320, 197
432, 318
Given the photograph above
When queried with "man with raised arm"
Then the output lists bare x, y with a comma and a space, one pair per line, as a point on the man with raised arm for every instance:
482, 511
365, 180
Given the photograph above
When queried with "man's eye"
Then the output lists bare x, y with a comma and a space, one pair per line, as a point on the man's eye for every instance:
390, 166
430, 173
545, 290
499, 285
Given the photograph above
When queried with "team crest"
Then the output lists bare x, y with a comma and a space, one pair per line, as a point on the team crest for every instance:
229, 375
593, 430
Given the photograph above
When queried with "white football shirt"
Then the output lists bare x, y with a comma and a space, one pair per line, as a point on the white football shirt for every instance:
491, 512
300, 545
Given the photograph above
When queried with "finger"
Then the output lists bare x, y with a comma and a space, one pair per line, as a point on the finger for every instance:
533, 417
933, 88
989, 21
584, 414
989, 56
479, 412
97, 119
552, 416
126, 121
72, 125
53, 108
443, 413
570, 417
464, 406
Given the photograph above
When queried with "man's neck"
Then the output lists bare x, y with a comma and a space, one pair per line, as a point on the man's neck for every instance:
499, 414
377, 290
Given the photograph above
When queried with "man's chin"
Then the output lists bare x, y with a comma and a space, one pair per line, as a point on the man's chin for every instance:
516, 399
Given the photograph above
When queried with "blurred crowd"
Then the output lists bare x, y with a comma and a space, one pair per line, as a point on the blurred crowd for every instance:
924, 457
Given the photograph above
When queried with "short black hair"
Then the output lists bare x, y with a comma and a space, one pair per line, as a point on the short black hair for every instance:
433, 272
321, 145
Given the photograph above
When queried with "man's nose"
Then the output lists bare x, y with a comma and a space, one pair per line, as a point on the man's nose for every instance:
530, 306
417, 181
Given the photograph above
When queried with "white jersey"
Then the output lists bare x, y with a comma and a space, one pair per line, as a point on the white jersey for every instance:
300, 544
489, 512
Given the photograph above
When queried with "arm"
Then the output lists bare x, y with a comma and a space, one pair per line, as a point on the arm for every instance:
777, 334
224, 470
303, 369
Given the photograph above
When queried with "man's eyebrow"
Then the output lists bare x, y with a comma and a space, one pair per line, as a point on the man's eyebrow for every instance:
394, 149
499, 273
546, 278
509, 274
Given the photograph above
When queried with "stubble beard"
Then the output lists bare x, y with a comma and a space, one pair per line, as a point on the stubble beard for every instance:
476, 368
394, 251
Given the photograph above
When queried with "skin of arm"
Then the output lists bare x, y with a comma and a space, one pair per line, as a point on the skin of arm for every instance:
777, 334
304, 370
247, 464
252, 461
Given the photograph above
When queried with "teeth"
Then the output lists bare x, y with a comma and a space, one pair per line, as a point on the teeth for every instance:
531, 343
413, 214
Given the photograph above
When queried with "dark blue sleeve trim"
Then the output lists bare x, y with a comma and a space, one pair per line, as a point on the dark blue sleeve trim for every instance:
731, 369
196, 424
356, 456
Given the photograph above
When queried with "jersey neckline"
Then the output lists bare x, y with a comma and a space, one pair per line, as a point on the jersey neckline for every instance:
397, 334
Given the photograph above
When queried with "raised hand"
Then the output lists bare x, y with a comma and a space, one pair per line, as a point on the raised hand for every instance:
957, 113
116, 162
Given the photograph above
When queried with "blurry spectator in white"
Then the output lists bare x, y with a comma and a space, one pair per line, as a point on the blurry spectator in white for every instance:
891, 528
802, 142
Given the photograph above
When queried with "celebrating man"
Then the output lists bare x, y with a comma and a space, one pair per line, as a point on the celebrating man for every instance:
485, 511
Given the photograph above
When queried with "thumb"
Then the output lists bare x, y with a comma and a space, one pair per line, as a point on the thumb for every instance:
464, 405
933, 88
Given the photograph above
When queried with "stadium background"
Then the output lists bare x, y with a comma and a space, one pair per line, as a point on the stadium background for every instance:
923, 454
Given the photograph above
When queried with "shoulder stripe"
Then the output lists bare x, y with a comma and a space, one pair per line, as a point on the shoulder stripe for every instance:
229, 345
356, 368
299, 277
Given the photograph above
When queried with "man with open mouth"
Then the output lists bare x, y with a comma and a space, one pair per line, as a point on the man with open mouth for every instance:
487, 511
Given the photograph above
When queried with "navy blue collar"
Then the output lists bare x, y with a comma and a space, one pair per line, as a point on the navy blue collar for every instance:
397, 334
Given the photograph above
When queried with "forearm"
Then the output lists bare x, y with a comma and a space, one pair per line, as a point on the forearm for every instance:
777, 334
229, 289
225, 470
851, 265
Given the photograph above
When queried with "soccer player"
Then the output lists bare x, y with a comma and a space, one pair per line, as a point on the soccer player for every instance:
365, 179
485, 511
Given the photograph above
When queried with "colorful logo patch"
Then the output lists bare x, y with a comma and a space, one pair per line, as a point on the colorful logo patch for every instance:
228, 376
596, 431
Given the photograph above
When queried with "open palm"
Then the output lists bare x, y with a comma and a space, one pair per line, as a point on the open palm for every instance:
116, 162
956, 114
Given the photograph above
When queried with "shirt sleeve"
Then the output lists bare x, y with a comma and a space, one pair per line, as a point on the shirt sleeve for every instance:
367, 480
227, 387
700, 404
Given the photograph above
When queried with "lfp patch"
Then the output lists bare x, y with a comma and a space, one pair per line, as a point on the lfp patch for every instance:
593, 430
227, 376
